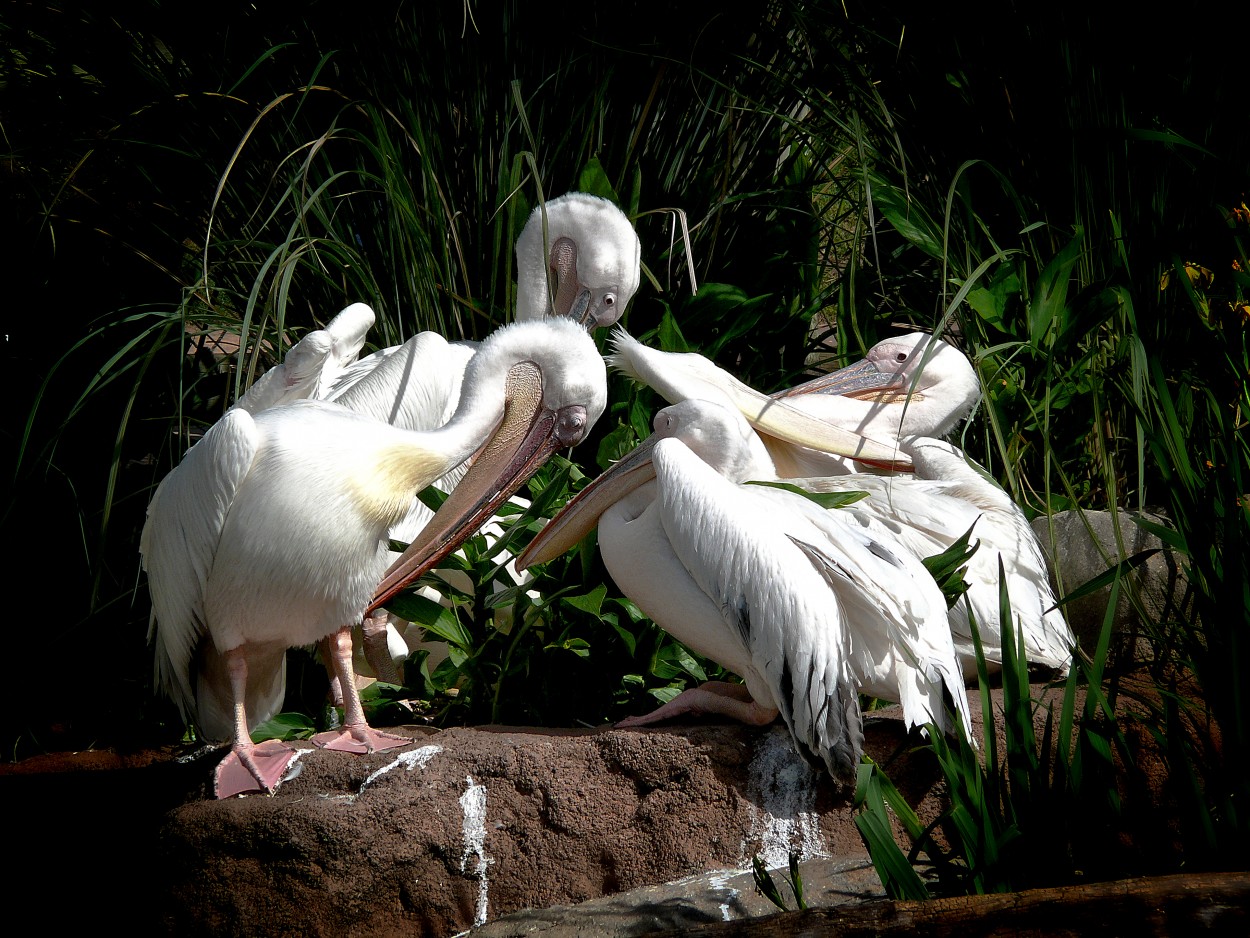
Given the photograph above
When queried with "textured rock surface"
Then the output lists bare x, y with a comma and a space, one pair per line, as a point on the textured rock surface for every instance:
718, 896
471, 824
1081, 545
553, 832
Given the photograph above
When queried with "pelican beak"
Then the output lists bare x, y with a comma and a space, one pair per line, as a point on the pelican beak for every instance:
527, 435
576, 519
573, 298
776, 418
685, 376
862, 379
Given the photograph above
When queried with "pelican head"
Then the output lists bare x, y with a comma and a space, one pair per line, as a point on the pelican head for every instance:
547, 385
577, 256
934, 380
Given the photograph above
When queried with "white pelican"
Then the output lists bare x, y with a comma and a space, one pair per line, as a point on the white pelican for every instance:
907, 390
806, 606
577, 256
913, 385
594, 261
272, 531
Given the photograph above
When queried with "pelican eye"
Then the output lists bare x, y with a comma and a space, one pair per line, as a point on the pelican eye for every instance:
900, 356
609, 300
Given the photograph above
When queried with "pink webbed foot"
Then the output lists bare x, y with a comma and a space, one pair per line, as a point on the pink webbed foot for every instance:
259, 768
360, 739
713, 698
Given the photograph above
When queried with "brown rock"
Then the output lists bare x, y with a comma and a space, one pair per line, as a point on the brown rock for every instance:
471, 824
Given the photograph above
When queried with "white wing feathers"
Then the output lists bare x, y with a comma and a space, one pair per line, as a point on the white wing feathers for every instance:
772, 602
184, 524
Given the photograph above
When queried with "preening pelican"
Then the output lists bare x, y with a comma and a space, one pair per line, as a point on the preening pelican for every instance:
913, 385
272, 531
806, 606
578, 256
907, 391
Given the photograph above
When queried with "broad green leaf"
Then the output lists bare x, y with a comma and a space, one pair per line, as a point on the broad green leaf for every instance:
284, 726
1048, 306
589, 602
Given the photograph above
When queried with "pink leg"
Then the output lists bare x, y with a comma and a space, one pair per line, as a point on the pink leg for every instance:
377, 653
356, 734
327, 656
714, 697
249, 767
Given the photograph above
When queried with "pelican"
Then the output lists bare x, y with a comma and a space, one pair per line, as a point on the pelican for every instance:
594, 261
577, 256
913, 385
272, 531
908, 390
806, 606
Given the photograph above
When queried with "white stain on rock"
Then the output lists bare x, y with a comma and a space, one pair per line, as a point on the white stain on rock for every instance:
473, 804
412, 759
781, 792
719, 882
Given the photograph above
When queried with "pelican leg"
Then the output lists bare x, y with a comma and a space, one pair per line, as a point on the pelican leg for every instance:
377, 652
714, 697
249, 767
356, 735
325, 648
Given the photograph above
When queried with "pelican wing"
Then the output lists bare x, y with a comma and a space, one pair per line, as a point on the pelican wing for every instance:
771, 602
184, 524
294, 379
415, 385
927, 515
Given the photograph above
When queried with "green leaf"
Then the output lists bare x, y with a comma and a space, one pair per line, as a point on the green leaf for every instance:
578, 646
949, 567
589, 602
284, 726
431, 616
1108, 576
764, 883
594, 179
823, 499
1048, 308
664, 694
669, 334
907, 217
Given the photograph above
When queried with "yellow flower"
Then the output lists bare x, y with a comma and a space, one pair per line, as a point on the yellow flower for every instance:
1199, 276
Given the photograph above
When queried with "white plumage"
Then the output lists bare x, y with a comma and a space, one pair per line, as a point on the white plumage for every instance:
272, 531
807, 607
585, 265
906, 392
929, 512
